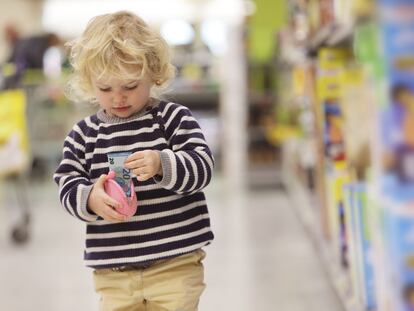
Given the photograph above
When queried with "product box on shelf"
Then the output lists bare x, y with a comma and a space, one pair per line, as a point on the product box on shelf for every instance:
399, 244
364, 245
397, 122
396, 145
360, 246
336, 178
377, 224
362, 8
331, 66
351, 229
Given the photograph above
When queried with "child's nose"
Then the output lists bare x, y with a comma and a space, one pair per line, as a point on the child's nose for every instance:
119, 97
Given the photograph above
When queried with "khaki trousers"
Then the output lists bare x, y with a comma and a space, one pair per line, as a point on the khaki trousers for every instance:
172, 285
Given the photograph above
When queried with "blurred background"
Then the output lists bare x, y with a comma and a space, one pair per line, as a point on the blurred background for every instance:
308, 107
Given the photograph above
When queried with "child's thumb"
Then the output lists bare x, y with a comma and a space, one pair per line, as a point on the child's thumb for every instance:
101, 180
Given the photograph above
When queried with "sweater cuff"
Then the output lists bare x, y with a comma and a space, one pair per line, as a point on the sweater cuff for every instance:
85, 212
167, 161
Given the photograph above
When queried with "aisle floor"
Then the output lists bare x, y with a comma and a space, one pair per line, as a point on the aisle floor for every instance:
261, 259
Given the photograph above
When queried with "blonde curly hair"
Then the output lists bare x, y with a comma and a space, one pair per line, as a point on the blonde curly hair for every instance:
119, 45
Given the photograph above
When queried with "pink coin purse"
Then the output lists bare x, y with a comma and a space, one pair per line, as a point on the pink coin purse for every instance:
129, 204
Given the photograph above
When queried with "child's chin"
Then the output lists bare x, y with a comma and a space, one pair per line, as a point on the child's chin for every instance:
123, 115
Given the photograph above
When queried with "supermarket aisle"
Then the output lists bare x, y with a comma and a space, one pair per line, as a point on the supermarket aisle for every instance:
261, 259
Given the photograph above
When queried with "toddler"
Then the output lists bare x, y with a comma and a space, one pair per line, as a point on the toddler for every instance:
152, 260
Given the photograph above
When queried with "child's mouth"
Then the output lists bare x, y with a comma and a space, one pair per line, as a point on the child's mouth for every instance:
121, 109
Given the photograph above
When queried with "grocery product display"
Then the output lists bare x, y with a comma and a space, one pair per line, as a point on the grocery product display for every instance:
357, 81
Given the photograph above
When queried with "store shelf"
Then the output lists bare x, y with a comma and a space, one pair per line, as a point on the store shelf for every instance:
331, 35
303, 203
321, 36
340, 34
335, 218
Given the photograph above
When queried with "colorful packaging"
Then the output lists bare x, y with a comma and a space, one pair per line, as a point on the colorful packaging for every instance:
400, 252
331, 66
351, 229
397, 121
396, 148
362, 8
335, 181
13, 132
364, 246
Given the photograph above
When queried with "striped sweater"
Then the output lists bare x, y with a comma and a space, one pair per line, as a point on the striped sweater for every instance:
172, 216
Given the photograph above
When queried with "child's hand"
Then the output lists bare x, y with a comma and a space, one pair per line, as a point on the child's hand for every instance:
144, 164
102, 204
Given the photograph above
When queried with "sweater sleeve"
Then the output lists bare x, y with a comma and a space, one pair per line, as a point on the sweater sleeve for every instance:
188, 165
73, 179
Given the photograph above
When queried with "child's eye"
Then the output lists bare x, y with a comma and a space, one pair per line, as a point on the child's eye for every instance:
105, 90
131, 87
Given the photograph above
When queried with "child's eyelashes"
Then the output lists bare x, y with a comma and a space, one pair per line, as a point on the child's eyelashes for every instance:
127, 88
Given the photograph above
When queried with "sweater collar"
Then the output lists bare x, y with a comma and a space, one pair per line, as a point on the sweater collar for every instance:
104, 117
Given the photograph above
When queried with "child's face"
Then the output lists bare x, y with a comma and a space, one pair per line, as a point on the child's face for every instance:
122, 98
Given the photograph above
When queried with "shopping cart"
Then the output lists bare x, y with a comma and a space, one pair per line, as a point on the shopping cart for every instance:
49, 119
32, 128
14, 157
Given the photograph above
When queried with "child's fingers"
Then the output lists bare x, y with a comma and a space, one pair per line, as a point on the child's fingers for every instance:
135, 156
101, 181
112, 215
111, 219
135, 164
141, 171
143, 177
111, 202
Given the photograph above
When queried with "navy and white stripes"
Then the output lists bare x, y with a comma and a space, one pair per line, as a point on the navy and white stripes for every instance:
172, 216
